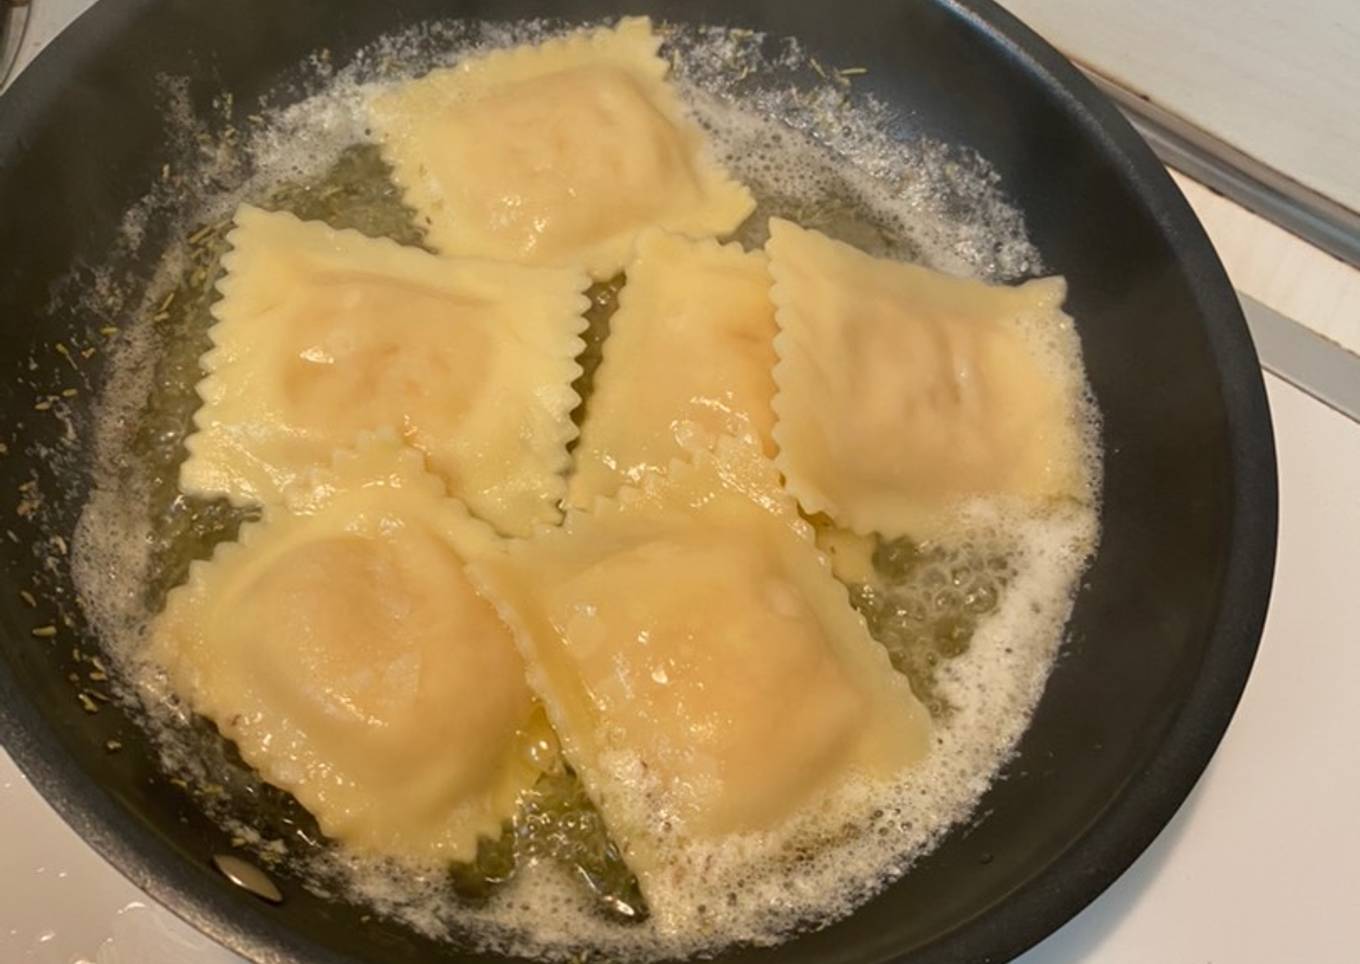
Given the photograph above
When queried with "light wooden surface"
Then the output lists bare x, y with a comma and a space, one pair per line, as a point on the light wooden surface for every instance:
1279, 79
1279, 269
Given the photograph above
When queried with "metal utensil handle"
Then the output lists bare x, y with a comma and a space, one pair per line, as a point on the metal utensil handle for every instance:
13, 19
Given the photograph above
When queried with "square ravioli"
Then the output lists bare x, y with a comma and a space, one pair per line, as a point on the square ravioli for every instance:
340, 646
670, 631
690, 346
904, 392
555, 154
321, 334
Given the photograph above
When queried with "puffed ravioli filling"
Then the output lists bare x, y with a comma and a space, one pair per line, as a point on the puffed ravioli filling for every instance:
691, 345
321, 334
903, 392
555, 154
340, 646
703, 668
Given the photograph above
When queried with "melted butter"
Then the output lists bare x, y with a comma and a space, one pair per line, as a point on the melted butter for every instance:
556, 823
925, 601
604, 299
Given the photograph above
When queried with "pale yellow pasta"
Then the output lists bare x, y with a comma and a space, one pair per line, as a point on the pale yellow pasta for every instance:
340, 646
555, 154
690, 348
704, 670
321, 334
903, 392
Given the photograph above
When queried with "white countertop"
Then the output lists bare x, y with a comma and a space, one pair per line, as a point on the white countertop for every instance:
1278, 80
1261, 865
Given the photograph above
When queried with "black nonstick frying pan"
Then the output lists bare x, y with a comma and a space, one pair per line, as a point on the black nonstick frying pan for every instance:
1167, 621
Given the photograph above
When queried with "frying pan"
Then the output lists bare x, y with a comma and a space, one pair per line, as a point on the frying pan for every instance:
1166, 623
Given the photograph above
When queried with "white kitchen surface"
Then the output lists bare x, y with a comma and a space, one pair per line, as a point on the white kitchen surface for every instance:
1277, 79
1280, 269
1262, 864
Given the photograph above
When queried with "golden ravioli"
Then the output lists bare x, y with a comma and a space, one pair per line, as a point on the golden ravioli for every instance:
557, 154
690, 346
340, 646
321, 334
903, 391
669, 634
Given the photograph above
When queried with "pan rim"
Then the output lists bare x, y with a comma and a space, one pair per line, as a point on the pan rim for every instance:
1091, 861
